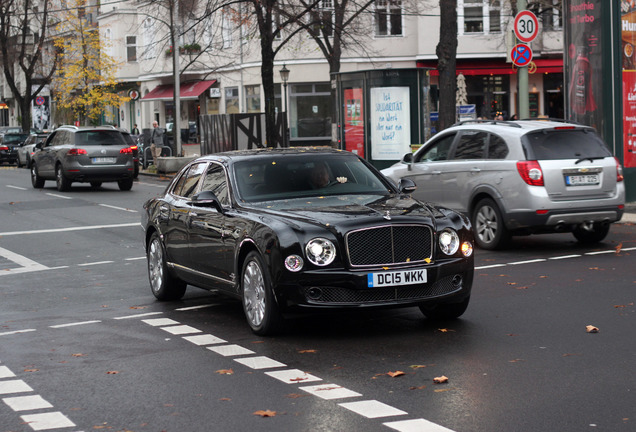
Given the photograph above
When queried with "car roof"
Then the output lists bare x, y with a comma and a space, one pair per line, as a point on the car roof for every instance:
517, 127
269, 151
87, 128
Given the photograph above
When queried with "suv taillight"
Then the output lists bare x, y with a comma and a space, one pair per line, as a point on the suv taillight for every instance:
619, 171
4, 147
530, 172
127, 150
76, 152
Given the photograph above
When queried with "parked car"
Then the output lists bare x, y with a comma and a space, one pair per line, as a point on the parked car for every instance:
83, 154
9, 129
9, 144
132, 141
519, 178
26, 150
258, 225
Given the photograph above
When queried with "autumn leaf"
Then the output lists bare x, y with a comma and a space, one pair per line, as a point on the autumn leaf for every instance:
225, 371
138, 307
395, 374
307, 351
618, 248
31, 370
295, 395
112, 372
591, 329
78, 355
444, 330
422, 387
440, 380
266, 413
225, 399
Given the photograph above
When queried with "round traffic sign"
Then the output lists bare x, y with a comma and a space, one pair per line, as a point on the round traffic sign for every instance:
526, 26
40, 100
521, 55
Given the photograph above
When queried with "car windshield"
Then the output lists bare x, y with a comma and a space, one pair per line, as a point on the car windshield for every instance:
99, 137
284, 176
564, 144
14, 138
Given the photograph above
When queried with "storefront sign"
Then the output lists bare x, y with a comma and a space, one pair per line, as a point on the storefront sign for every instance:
390, 122
628, 25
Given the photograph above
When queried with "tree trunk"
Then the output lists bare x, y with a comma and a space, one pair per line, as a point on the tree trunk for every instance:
446, 63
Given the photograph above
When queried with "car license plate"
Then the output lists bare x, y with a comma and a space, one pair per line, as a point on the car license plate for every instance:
104, 160
582, 180
402, 277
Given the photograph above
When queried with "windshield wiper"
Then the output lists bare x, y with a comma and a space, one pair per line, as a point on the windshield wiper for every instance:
591, 159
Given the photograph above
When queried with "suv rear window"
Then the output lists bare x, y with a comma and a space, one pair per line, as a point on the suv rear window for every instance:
99, 137
564, 144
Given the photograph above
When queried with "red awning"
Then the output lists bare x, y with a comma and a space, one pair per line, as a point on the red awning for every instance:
496, 67
189, 90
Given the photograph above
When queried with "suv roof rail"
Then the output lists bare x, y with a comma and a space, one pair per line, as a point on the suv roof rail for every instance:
553, 119
68, 126
499, 122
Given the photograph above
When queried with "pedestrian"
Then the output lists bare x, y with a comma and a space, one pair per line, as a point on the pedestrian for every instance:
135, 130
156, 142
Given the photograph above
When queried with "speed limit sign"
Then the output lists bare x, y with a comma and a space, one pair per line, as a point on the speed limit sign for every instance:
526, 26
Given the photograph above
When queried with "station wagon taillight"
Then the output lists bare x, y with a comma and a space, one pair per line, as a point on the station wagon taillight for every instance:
76, 152
4, 148
530, 172
619, 171
127, 150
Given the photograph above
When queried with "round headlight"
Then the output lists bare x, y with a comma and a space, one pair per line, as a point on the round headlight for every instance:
320, 251
294, 263
467, 249
448, 241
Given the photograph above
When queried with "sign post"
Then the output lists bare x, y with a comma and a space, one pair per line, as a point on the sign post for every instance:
526, 29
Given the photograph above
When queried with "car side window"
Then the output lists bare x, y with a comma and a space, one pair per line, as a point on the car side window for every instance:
497, 147
216, 181
187, 183
51, 141
437, 151
472, 145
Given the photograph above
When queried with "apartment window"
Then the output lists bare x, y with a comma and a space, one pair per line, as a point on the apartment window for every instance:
479, 16
150, 47
226, 29
549, 13
321, 18
473, 14
232, 100
253, 98
131, 48
388, 18
494, 15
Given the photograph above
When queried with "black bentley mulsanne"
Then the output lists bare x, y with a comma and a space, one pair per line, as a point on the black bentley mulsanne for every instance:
305, 227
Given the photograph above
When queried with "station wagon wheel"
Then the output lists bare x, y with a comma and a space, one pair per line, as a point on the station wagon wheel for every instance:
36, 180
63, 183
488, 224
594, 234
445, 310
125, 184
259, 304
164, 285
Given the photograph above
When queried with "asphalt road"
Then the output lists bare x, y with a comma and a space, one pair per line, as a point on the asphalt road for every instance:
84, 345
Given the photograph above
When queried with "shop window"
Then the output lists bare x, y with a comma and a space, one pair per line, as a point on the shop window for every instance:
310, 111
232, 100
253, 98
388, 18
131, 48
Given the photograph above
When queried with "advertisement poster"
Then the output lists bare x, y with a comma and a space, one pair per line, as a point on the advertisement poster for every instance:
583, 62
390, 123
40, 112
354, 121
628, 36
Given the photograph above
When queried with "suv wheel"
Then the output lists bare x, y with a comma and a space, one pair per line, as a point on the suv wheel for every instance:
594, 234
36, 180
488, 224
63, 183
125, 184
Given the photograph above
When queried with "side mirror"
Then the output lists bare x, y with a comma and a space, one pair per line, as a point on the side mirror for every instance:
39, 145
407, 158
207, 199
406, 186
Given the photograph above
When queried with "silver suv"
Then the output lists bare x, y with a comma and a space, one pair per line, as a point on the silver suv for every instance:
519, 178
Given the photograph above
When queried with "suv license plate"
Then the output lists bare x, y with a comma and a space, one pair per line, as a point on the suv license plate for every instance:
104, 160
582, 180
402, 277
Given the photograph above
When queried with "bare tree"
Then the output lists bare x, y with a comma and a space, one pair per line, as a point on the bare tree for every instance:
24, 33
446, 62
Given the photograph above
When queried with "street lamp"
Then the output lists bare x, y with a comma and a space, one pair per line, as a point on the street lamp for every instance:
284, 77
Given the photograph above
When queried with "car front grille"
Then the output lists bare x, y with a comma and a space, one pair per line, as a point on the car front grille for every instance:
387, 245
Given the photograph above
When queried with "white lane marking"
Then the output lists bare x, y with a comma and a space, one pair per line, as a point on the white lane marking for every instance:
118, 208
330, 391
15, 187
528, 261
372, 409
45, 421
94, 263
260, 362
17, 332
59, 196
79, 228
206, 339
26, 264
416, 425
197, 307
138, 315
14, 386
5, 372
490, 266
135, 259
293, 376
230, 350
180, 329
602, 252
27, 403
156, 322
564, 257
74, 324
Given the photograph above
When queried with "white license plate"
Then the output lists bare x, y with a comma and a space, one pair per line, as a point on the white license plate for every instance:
582, 180
402, 277
104, 160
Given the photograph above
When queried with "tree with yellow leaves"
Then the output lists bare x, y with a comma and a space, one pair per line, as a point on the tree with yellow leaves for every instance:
85, 82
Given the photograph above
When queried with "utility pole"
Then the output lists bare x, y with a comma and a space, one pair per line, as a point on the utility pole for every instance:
522, 78
176, 129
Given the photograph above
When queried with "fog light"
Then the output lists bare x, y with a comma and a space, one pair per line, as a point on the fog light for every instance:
314, 293
294, 263
467, 249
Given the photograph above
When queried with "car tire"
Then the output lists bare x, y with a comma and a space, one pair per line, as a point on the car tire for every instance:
62, 182
36, 180
488, 225
19, 163
125, 185
163, 284
597, 234
445, 311
96, 184
259, 304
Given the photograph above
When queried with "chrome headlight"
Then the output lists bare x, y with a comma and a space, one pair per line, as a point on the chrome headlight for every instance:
320, 251
448, 241
294, 263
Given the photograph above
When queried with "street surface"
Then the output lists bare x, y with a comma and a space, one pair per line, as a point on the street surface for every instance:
84, 345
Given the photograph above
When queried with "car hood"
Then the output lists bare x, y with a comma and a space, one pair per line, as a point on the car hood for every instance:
330, 211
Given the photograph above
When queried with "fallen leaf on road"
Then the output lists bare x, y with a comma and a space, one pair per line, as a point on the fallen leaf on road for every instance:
31, 370
112, 372
618, 248
422, 387
592, 329
307, 351
395, 374
225, 399
444, 330
225, 371
440, 380
78, 355
266, 413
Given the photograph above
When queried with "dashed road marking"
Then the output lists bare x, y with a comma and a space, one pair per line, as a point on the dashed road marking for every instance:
119, 208
372, 409
73, 324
